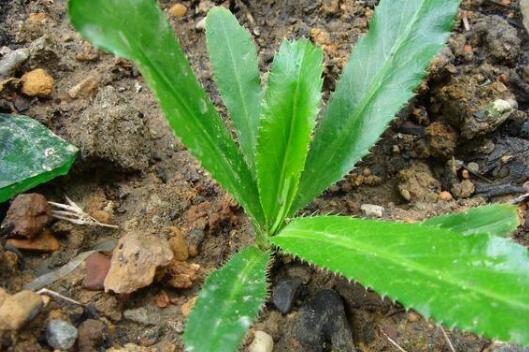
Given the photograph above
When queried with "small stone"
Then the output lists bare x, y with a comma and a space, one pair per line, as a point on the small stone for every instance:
162, 299
177, 10
473, 167
445, 196
372, 210
18, 309
188, 306
93, 336
413, 317
45, 242
86, 87
179, 245
37, 83
27, 216
205, 5
181, 274
322, 319
61, 334
465, 174
97, 267
135, 261
262, 342
201, 24
284, 293
151, 315
12, 60
464, 189
194, 239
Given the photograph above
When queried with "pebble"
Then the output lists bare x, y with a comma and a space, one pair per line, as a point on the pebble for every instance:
45, 242
135, 261
445, 196
194, 239
262, 342
18, 309
201, 24
61, 334
27, 216
93, 335
372, 210
37, 83
284, 293
188, 306
97, 267
177, 10
179, 245
473, 167
320, 320
151, 315
12, 60
86, 87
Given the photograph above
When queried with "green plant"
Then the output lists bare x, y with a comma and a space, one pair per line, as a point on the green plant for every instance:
30, 154
455, 268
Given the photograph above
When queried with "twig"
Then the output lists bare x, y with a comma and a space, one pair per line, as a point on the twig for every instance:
448, 340
75, 214
394, 343
51, 293
466, 24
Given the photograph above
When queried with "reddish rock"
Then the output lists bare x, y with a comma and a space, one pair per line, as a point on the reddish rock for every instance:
97, 267
44, 243
27, 216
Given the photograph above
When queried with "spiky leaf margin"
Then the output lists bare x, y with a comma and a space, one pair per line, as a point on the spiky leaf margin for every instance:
478, 283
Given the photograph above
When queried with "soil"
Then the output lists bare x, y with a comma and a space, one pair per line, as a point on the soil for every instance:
133, 173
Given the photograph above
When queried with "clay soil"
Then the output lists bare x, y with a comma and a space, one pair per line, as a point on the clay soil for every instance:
132, 172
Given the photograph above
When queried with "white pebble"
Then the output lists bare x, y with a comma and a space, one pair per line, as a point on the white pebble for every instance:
372, 210
262, 342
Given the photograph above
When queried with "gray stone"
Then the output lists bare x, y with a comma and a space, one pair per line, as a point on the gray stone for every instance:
284, 294
506, 347
322, 319
61, 334
12, 60
151, 315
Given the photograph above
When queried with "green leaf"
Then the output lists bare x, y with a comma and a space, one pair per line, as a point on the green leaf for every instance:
229, 302
234, 59
495, 219
30, 154
138, 30
385, 67
289, 113
476, 282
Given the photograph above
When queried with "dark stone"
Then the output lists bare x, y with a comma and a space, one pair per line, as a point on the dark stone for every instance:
322, 321
284, 294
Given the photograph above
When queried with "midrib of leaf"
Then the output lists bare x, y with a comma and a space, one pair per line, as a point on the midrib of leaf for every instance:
370, 251
284, 208
379, 79
205, 137
237, 287
243, 101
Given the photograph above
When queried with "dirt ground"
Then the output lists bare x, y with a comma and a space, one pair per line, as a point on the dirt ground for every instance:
438, 156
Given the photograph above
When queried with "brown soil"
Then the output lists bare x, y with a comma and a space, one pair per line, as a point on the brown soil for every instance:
133, 173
